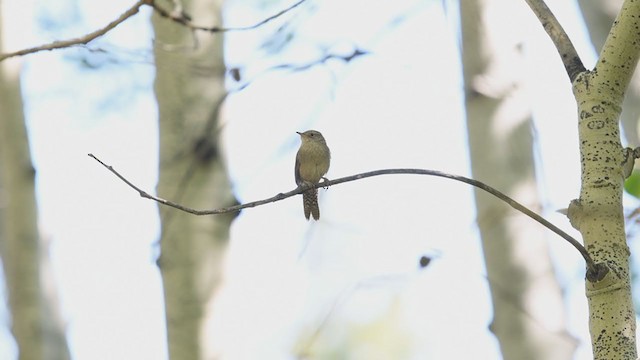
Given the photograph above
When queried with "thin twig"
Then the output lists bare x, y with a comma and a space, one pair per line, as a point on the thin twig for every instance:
182, 18
568, 53
236, 72
593, 268
83, 40
177, 16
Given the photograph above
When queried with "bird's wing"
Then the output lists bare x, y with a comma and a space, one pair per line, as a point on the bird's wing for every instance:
297, 171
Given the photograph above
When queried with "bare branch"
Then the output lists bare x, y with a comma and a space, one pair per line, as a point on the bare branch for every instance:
83, 40
594, 270
572, 63
180, 17
236, 72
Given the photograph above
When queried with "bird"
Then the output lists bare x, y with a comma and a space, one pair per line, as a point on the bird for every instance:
312, 163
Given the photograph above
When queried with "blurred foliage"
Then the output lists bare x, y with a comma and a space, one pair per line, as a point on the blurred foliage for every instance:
632, 184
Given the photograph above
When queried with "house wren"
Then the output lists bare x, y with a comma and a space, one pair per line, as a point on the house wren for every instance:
312, 162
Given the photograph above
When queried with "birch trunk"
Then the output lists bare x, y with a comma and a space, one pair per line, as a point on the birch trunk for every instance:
189, 88
528, 308
597, 214
35, 323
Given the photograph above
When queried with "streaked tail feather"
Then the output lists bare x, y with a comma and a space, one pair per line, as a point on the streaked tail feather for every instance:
310, 202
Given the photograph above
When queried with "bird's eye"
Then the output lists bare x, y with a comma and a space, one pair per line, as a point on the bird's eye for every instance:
312, 134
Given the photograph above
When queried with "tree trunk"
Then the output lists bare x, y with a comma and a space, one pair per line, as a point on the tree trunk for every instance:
190, 89
528, 308
597, 214
36, 326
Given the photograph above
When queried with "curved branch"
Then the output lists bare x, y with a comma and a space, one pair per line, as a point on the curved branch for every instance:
83, 40
177, 16
572, 63
596, 271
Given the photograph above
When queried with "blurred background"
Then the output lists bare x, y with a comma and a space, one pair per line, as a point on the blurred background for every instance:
209, 119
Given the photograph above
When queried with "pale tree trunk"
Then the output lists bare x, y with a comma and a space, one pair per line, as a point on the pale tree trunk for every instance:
529, 319
597, 214
189, 89
599, 16
35, 324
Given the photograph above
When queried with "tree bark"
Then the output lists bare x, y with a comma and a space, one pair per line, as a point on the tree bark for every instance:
597, 214
35, 323
528, 308
190, 89
599, 16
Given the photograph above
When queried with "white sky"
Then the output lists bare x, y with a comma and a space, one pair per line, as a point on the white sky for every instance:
400, 106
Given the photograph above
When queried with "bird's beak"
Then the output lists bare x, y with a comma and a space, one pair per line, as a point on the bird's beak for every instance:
299, 133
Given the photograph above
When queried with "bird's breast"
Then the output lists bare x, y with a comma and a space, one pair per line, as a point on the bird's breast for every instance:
314, 163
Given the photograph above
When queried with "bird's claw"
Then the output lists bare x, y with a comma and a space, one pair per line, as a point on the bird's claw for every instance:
324, 180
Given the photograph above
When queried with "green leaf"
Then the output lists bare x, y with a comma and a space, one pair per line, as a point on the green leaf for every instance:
632, 184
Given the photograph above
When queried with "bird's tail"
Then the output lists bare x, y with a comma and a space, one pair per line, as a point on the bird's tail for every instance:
310, 201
